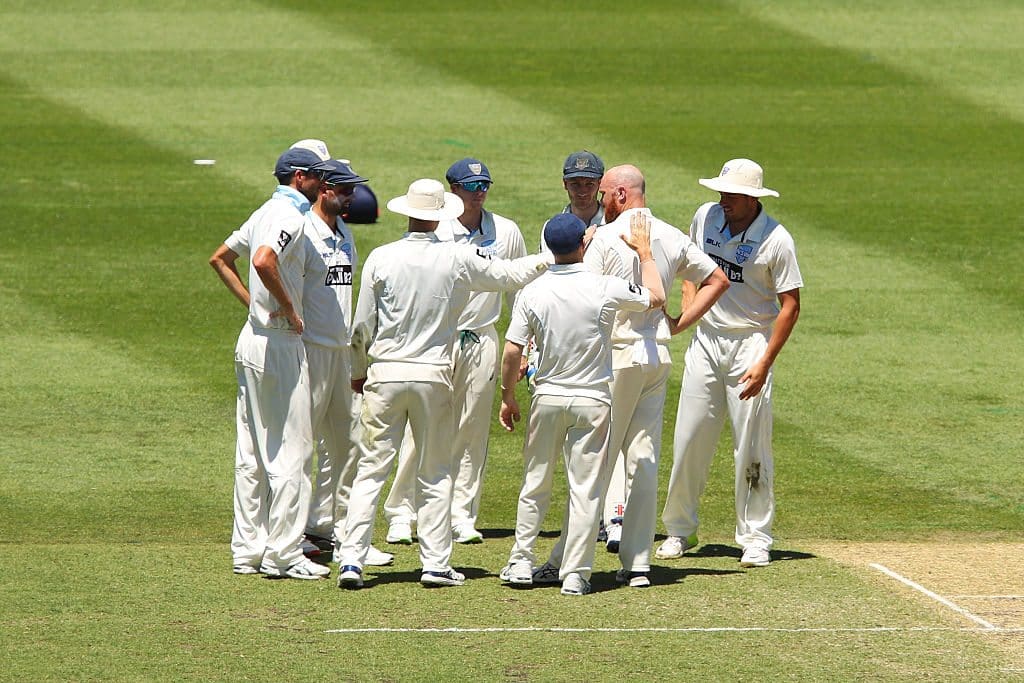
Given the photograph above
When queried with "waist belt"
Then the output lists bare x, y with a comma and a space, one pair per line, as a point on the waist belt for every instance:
467, 335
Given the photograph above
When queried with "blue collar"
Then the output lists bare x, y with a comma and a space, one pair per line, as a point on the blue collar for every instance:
297, 199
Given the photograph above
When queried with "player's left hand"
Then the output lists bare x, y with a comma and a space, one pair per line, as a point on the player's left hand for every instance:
639, 239
509, 414
754, 379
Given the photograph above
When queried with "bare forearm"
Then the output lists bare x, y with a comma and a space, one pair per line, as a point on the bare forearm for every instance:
698, 301
510, 362
784, 324
651, 279
223, 263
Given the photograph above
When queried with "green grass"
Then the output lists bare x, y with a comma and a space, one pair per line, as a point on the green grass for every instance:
889, 130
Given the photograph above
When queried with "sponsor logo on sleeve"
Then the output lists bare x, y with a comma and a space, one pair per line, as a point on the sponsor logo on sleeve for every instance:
284, 239
635, 288
731, 270
485, 252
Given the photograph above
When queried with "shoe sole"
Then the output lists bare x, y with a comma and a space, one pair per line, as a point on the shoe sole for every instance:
438, 583
375, 563
398, 541
470, 541
245, 570
750, 565
667, 556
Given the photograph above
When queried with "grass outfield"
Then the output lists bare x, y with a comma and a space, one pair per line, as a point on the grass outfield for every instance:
890, 130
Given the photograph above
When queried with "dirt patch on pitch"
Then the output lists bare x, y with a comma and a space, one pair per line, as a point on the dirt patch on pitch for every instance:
985, 579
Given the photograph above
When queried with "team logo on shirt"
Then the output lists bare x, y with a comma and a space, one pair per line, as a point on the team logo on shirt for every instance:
731, 270
338, 276
743, 252
284, 239
635, 288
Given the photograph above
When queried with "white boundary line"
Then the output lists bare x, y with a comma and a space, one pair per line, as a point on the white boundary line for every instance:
935, 596
695, 629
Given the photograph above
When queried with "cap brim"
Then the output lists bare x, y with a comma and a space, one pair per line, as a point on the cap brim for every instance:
471, 179
718, 185
581, 174
453, 208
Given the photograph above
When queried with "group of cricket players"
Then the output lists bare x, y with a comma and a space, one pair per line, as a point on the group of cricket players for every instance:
331, 400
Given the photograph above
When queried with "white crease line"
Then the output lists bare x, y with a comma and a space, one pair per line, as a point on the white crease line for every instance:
695, 629
935, 596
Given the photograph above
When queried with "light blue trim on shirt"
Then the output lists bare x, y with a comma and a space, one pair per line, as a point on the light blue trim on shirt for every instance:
297, 199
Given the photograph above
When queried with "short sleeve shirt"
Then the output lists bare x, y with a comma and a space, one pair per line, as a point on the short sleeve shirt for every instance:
569, 312
760, 263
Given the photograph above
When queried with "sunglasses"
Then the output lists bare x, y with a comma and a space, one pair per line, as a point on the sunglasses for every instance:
476, 186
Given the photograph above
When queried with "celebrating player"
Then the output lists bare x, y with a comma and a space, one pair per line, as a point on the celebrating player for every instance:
729, 361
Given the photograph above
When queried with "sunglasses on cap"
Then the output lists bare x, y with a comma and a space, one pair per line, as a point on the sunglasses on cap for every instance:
476, 186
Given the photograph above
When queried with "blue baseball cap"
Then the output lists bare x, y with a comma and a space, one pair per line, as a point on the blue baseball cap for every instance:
582, 164
339, 172
296, 159
466, 171
564, 233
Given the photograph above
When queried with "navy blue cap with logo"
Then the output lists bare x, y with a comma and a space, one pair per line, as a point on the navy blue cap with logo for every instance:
467, 170
582, 164
338, 172
297, 159
564, 233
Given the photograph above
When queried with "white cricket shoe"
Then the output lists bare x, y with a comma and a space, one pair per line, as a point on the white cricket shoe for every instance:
449, 577
614, 531
399, 532
378, 558
307, 569
350, 577
574, 584
546, 573
674, 547
519, 573
465, 533
634, 579
245, 568
755, 557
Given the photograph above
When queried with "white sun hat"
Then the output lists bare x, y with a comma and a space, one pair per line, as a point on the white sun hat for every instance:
740, 176
317, 147
427, 200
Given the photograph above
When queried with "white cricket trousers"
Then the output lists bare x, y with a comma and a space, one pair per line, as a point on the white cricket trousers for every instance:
578, 427
272, 488
387, 407
638, 408
330, 380
474, 382
714, 364
634, 450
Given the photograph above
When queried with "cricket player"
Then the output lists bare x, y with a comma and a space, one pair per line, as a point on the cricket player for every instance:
412, 294
474, 359
569, 312
641, 362
272, 488
729, 361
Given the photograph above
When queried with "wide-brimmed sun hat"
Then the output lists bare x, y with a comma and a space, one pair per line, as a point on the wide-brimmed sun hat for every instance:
427, 200
740, 176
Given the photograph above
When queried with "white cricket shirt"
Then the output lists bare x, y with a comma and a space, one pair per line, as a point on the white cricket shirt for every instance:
277, 224
569, 312
411, 296
498, 237
327, 294
641, 338
760, 263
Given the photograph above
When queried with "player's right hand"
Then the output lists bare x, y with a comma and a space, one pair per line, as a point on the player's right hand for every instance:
509, 414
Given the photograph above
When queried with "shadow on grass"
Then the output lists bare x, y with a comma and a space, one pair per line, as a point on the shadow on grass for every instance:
718, 550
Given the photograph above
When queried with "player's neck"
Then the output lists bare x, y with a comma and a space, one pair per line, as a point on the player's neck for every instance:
330, 220
587, 214
471, 220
